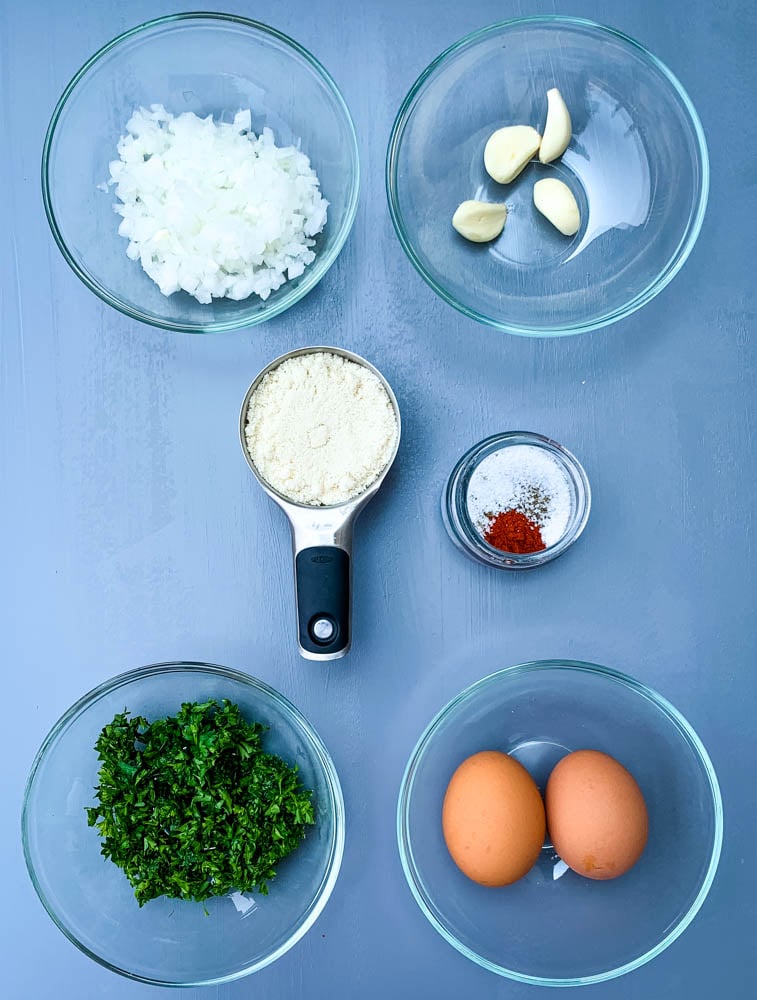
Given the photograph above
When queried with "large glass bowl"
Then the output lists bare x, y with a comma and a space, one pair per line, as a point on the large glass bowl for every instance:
637, 164
553, 927
208, 64
171, 942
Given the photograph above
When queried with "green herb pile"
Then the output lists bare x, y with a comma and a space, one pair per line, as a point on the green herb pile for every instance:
191, 806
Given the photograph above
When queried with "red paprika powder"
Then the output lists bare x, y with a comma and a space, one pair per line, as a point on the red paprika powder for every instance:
512, 531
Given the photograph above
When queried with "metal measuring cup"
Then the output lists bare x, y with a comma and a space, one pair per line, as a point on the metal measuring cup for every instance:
322, 538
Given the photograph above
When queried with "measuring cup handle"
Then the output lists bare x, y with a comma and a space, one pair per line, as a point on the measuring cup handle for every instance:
323, 585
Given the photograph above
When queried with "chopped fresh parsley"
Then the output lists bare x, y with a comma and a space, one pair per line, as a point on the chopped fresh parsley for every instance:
191, 806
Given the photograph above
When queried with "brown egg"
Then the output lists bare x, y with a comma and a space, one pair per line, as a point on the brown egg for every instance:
596, 815
493, 819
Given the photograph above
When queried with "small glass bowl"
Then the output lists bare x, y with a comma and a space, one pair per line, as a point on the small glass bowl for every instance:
466, 536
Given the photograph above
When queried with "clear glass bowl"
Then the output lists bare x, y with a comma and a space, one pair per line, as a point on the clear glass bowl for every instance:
209, 64
637, 164
553, 928
171, 942
462, 530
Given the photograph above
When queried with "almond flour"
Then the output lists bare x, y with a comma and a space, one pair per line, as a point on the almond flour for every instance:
320, 428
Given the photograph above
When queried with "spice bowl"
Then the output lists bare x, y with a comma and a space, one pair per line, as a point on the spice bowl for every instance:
174, 942
517, 487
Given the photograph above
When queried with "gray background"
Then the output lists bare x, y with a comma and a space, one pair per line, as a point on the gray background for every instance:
132, 531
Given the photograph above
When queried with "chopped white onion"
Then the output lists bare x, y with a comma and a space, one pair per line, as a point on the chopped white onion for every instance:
213, 209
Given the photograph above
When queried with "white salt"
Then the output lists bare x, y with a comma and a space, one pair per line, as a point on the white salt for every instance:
510, 478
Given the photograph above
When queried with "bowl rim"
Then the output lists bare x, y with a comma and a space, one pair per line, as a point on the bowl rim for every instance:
616, 676
683, 249
336, 847
313, 273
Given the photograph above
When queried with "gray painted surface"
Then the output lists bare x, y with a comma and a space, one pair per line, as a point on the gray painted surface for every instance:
132, 531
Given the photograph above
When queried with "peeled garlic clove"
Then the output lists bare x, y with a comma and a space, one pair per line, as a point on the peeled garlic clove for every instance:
558, 129
508, 150
556, 202
479, 221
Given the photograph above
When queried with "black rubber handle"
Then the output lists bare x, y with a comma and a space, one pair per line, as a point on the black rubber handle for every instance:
322, 577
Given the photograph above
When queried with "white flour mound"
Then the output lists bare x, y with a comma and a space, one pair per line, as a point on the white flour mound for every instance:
213, 209
320, 428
